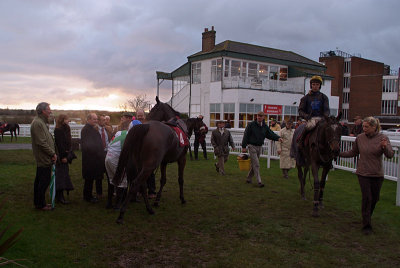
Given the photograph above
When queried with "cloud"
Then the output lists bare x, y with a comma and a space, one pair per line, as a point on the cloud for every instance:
80, 50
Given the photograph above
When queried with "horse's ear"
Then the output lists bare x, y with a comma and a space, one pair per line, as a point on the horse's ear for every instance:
339, 116
157, 99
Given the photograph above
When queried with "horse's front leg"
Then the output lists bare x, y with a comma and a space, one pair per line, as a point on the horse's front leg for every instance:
190, 152
163, 180
181, 168
322, 186
302, 181
315, 168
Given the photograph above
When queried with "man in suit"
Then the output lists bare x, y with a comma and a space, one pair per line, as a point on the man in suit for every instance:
220, 139
92, 157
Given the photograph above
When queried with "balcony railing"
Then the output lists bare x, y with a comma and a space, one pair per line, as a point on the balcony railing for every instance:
263, 84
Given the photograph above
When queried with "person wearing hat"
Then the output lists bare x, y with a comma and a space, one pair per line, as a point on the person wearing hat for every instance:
283, 149
313, 107
126, 117
220, 138
357, 129
275, 126
254, 135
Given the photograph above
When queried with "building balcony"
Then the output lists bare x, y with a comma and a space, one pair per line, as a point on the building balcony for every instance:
258, 83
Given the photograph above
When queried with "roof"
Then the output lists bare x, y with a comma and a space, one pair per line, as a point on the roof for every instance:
258, 51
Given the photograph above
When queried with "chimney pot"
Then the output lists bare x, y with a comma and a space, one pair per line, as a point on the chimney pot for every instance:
208, 41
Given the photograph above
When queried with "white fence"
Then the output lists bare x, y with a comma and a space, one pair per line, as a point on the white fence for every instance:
391, 166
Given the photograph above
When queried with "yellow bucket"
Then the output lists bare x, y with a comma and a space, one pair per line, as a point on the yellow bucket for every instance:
244, 165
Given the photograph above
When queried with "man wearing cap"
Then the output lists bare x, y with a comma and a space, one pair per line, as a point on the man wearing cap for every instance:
313, 106
253, 138
357, 129
126, 117
220, 138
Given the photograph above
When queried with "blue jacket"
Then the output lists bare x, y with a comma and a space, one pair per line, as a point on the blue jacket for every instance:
314, 104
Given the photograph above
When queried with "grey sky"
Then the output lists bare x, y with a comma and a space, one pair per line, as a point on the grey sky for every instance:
96, 53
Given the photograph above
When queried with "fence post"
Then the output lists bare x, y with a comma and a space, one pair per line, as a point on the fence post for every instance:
269, 143
398, 183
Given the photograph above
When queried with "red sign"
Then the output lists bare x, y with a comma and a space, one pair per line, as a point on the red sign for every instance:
272, 109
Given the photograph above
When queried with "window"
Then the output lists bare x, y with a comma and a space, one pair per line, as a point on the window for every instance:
346, 97
283, 73
345, 114
273, 72
247, 113
216, 70
244, 69
196, 73
389, 107
215, 113
263, 71
347, 66
252, 70
226, 73
389, 85
229, 112
235, 68
346, 82
333, 112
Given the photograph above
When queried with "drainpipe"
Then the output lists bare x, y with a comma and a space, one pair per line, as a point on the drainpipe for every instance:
190, 87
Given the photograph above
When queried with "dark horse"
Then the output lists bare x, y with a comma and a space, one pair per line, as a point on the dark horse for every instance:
12, 127
192, 122
148, 146
321, 148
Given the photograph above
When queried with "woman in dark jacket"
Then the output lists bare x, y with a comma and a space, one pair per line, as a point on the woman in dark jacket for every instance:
62, 136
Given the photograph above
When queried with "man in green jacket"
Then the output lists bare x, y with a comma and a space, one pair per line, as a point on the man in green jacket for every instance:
253, 138
44, 152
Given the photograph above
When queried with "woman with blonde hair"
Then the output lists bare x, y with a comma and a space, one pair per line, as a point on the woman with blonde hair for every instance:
370, 145
62, 136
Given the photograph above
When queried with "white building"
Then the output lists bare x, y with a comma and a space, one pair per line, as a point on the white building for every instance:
233, 80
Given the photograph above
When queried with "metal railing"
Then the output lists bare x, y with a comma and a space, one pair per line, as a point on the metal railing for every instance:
391, 166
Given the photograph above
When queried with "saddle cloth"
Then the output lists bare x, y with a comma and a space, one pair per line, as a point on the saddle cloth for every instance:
182, 137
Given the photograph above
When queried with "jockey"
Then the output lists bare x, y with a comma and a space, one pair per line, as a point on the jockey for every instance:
313, 107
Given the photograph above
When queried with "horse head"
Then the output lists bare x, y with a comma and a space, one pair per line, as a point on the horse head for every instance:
162, 112
193, 124
333, 132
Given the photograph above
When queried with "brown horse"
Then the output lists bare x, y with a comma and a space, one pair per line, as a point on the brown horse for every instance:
12, 127
148, 146
322, 147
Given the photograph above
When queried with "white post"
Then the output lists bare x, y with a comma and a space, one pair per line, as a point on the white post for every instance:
269, 153
398, 183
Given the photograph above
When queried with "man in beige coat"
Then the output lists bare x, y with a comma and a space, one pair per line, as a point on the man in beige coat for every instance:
283, 149
44, 151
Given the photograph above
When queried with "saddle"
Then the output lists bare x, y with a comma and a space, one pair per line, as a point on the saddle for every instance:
180, 130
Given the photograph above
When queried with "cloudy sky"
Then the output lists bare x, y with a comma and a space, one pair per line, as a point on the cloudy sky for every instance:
96, 54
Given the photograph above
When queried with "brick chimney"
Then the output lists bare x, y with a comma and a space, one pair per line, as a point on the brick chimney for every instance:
208, 42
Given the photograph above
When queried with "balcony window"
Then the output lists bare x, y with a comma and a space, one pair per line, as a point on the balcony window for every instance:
263, 71
252, 71
226, 70
273, 73
216, 70
196, 73
283, 73
243, 71
235, 68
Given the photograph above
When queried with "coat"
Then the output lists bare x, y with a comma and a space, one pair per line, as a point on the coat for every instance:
93, 154
62, 136
255, 134
286, 162
220, 142
43, 146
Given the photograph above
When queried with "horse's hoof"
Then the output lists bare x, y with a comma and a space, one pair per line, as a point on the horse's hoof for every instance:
304, 198
151, 212
183, 201
120, 221
156, 204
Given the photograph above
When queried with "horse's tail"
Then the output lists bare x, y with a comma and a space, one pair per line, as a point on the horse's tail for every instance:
132, 147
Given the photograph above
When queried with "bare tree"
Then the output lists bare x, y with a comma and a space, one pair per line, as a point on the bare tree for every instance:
139, 102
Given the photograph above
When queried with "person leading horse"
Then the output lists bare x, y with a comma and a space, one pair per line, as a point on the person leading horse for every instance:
313, 107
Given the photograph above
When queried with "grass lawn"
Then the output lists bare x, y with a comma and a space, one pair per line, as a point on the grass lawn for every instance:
225, 223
